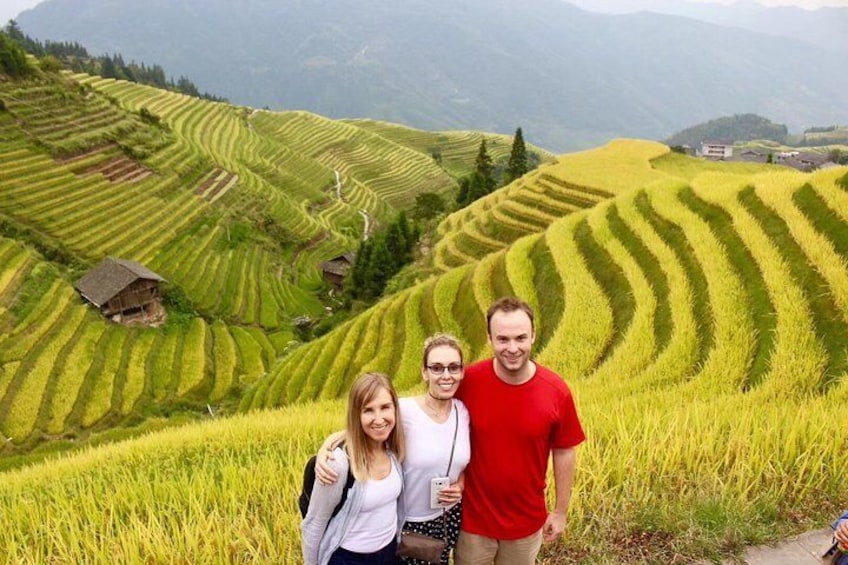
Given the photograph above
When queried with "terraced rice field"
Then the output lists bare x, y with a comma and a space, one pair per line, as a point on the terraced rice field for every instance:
235, 208
698, 311
111, 183
686, 312
689, 315
530, 204
454, 149
64, 370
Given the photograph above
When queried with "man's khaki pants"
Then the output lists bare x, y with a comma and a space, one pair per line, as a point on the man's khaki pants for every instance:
472, 549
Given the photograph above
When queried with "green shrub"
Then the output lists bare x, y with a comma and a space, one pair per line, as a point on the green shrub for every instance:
13, 61
149, 117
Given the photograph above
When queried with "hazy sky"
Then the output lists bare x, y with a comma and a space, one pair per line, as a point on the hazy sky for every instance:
11, 8
809, 4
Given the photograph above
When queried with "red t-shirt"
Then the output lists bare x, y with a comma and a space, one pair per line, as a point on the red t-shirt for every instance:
513, 429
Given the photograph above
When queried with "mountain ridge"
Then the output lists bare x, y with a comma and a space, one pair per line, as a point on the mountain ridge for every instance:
572, 79
793, 22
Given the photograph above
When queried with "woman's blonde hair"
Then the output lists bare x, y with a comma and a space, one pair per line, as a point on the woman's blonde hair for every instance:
440, 340
363, 391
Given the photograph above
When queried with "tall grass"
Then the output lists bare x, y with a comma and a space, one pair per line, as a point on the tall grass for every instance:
702, 476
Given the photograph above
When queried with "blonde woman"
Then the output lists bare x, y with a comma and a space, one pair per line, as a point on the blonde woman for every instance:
366, 528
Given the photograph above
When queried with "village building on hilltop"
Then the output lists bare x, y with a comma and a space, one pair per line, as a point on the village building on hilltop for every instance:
124, 291
804, 162
336, 269
716, 149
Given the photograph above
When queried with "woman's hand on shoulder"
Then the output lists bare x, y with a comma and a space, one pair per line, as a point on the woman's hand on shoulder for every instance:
326, 472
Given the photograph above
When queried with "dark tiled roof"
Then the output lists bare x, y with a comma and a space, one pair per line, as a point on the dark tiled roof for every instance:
812, 158
348, 257
336, 267
110, 277
339, 265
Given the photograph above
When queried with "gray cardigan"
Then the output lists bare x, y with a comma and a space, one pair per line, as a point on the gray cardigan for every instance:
318, 539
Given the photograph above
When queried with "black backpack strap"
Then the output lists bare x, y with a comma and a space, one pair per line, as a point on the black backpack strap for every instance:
348, 485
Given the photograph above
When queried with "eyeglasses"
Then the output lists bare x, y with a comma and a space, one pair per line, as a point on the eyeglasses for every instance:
439, 369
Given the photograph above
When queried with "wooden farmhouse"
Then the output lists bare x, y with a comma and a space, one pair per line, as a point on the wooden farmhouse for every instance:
336, 269
124, 291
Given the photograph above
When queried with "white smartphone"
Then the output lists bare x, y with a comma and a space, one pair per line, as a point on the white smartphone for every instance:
437, 485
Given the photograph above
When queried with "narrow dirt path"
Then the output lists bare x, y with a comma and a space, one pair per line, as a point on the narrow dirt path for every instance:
338, 186
804, 549
366, 229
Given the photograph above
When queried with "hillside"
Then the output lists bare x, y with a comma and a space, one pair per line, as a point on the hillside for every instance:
483, 253
235, 208
794, 22
692, 308
741, 127
571, 79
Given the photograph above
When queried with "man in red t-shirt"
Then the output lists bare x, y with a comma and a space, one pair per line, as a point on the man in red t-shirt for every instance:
520, 413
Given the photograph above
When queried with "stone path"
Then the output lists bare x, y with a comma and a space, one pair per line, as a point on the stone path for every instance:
805, 549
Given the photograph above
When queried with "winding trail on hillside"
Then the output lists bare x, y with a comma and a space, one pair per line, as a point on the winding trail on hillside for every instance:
250, 117
366, 229
339, 186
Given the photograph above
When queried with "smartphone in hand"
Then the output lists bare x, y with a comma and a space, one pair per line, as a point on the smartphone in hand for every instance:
436, 485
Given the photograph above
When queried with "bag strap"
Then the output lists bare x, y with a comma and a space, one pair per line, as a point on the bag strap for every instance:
453, 445
447, 474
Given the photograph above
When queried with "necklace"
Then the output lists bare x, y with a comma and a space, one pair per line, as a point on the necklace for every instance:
436, 412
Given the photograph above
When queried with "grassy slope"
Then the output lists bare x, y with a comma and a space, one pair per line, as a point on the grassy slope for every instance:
687, 457
235, 208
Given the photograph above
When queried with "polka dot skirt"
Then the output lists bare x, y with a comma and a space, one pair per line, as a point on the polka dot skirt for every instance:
434, 528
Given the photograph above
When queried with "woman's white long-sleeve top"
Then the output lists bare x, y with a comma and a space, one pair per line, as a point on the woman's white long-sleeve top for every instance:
321, 533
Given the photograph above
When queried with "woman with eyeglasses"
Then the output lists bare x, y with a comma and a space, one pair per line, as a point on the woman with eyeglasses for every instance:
436, 431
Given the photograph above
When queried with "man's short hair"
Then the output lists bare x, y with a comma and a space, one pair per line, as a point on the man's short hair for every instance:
509, 304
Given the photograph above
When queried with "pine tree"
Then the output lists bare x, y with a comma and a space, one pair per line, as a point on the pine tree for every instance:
107, 69
485, 168
462, 196
396, 245
478, 188
13, 30
517, 164
406, 232
357, 281
379, 269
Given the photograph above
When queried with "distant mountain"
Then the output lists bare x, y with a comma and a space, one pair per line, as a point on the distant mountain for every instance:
570, 78
825, 27
741, 127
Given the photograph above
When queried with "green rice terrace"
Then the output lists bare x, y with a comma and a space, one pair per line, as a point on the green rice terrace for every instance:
236, 208
698, 310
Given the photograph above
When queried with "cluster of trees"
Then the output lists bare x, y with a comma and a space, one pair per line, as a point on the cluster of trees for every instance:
838, 156
739, 127
74, 56
820, 129
818, 141
13, 61
484, 178
428, 205
380, 257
